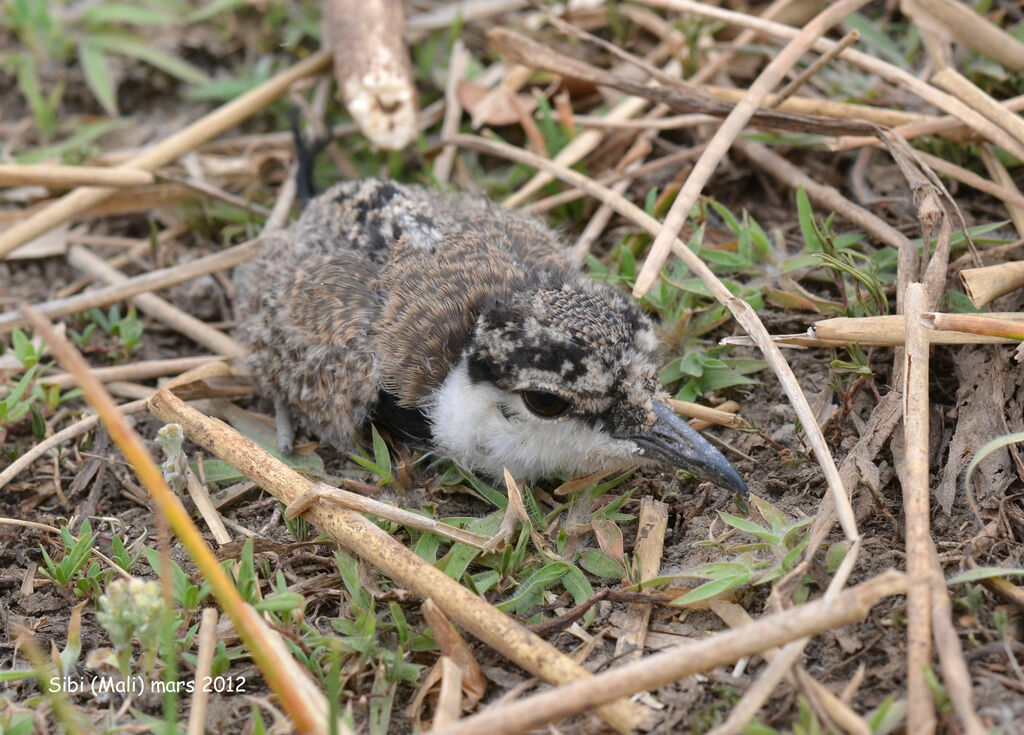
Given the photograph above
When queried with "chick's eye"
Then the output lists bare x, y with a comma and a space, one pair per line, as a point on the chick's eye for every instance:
544, 404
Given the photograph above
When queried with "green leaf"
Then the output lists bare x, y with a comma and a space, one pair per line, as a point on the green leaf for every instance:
138, 49
19, 390
834, 556
130, 14
282, 602
534, 585
380, 452
979, 573
601, 564
715, 570
96, 68
212, 9
712, 589
805, 216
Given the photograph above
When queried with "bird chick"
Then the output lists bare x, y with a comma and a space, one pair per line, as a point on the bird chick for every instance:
458, 323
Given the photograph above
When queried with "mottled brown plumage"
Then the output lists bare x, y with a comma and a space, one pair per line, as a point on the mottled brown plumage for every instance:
454, 318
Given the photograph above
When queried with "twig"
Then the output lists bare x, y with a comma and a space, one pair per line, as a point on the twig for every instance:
956, 84
161, 310
129, 287
76, 429
457, 65
976, 324
890, 331
727, 133
1002, 178
736, 617
887, 71
914, 477
986, 284
1005, 193
650, 536
780, 664
951, 656
827, 108
363, 504
820, 63
973, 30
215, 192
679, 661
371, 66
207, 127
204, 661
133, 371
67, 177
947, 126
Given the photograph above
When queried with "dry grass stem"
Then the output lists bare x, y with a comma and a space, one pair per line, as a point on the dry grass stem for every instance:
449, 700
956, 84
675, 663
736, 617
971, 29
363, 504
365, 539
73, 204
210, 191
130, 287
1006, 327
741, 310
955, 676
983, 285
653, 521
676, 122
298, 695
571, 195
1007, 194
576, 150
201, 497
887, 71
717, 416
76, 429
719, 61
730, 128
779, 666
827, 196
67, 177
457, 66
807, 74
161, 310
133, 371
916, 496
448, 14
825, 108
948, 127
204, 661
890, 331
1002, 178
371, 66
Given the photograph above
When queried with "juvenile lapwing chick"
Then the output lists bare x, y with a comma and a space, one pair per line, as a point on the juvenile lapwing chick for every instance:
458, 323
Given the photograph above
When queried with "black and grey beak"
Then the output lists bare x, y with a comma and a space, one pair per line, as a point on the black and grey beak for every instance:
672, 441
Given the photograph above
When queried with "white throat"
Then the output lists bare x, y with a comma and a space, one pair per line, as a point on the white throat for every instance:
485, 428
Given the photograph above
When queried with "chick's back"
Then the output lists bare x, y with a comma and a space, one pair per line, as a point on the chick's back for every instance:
370, 297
